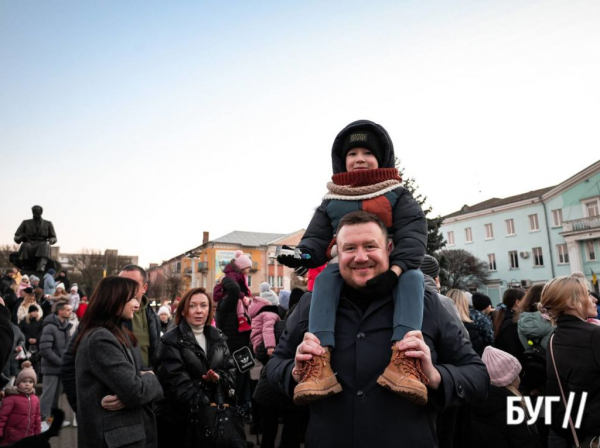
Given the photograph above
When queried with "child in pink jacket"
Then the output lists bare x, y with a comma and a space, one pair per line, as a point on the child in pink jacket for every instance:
237, 270
264, 314
20, 410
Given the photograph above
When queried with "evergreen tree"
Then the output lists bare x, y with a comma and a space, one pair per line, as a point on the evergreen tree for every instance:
435, 240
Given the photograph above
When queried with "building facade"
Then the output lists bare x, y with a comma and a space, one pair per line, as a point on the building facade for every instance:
533, 237
203, 265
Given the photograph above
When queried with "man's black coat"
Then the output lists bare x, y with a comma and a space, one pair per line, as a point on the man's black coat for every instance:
365, 414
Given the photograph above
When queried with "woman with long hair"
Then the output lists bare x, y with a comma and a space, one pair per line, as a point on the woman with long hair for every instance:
476, 333
115, 394
573, 352
506, 335
533, 325
194, 365
28, 301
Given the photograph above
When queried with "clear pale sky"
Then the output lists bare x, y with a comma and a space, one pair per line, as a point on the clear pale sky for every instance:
138, 125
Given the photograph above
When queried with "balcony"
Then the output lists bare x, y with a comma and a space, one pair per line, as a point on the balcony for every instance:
255, 266
583, 224
203, 266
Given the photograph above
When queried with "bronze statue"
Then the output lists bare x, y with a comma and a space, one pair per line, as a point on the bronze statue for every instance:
36, 236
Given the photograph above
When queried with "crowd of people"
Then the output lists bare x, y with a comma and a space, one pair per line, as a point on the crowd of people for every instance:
362, 350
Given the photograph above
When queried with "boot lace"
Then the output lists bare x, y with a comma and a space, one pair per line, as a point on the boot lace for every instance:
308, 369
411, 366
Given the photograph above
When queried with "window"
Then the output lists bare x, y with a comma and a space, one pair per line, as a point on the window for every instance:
178, 267
591, 250
510, 226
450, 238
469, 235
271, 280
249, 281
280, 282
489, 232
563, 254
533, 223
591, 209
513, 259
492, 262
538, 258
557, 215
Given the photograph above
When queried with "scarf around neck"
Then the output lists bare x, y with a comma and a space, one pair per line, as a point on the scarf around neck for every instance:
362, 184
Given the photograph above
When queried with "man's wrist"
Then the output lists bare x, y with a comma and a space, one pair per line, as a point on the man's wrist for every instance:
397, 269
435, 379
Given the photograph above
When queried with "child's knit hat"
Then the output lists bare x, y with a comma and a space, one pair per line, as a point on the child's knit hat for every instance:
33, 308
502, 367
267, 294
26, 372
164, 310
360, 138
242, 261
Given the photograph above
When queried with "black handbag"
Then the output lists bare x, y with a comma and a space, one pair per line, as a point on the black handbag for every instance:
216, 426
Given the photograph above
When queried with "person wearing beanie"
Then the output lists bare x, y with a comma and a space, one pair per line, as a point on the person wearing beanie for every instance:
49, 282
479, 314
20, 410
34, 280
237, 270
32, 327
29, 301
366, 179
264, 315
267, 293
23, 285
488, 418
164, 315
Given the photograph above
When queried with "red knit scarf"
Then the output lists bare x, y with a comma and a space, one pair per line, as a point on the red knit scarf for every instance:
363, 178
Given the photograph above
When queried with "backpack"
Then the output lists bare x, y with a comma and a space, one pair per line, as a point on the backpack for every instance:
533, 361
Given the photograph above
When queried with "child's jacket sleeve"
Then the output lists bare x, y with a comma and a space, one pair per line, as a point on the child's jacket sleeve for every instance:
318, 236
409, 228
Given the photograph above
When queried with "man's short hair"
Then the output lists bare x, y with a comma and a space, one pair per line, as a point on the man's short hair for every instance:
362, 217
134, 267
60, 305
38, 206
10, 271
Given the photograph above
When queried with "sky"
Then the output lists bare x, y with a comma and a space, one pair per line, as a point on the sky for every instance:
138, 125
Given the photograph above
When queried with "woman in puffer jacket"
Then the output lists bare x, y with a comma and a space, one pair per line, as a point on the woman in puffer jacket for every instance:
533, 325
194, 362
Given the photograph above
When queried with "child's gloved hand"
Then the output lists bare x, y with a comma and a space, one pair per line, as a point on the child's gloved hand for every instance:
382, 284
292, 262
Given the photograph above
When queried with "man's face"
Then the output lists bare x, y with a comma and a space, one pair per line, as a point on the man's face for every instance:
37, 212
135, 275
363, 253
66, 311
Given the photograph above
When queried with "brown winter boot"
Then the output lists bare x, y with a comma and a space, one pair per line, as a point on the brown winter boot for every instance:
317, 380
404, 376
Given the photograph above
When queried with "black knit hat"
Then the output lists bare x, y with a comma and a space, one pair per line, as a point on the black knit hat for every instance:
362, 139
28, 290
430, 266
32, 308
481, 301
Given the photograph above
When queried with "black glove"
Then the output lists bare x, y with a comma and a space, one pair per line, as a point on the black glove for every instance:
382, 284
291, 262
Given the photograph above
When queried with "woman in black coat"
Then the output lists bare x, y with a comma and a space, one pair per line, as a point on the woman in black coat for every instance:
576, 347
194, 363
506, 328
